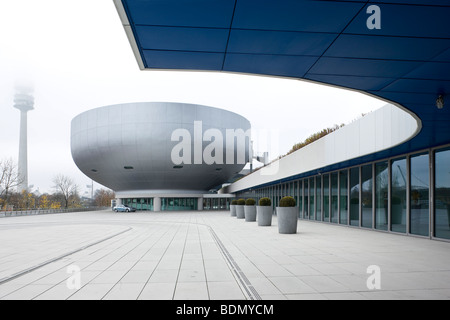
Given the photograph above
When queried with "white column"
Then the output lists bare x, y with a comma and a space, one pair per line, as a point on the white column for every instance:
156, 204
200, 204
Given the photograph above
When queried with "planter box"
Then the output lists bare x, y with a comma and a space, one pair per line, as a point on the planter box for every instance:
250, 213
287, 220
264, 215
240, 214
233, 210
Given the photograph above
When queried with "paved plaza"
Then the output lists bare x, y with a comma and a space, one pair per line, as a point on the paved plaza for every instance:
211, 256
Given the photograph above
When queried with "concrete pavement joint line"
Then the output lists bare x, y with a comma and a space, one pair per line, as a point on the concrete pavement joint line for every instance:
181, 262
246, 284
28, 270
159, 238
122, 245
123, 276
159, 261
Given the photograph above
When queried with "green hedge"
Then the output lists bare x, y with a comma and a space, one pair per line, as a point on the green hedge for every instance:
265, 202
287, 202
234, 202
250, 202
241, 202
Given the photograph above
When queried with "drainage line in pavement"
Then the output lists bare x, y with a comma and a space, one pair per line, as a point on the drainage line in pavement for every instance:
23, 272
250, 290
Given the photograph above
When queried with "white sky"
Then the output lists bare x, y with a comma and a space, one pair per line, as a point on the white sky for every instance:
77, 56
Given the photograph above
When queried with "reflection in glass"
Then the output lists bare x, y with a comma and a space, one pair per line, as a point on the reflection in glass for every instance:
354, 196
305, 199
296, 192
334, 197
420, 195
326, 197
398, 198
381, 195
343, 185
442, 194
366, 196
300, 199
312, 199
318, 198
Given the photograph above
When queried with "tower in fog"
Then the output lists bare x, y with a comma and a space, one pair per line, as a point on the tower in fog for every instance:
24, 101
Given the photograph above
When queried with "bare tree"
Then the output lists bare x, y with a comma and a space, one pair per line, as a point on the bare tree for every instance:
103, 197
9, 178
66, 186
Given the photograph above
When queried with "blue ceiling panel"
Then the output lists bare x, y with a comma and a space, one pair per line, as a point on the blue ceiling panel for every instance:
363, 67
183, 60
407, 61
415, 21
276, 42
431, 71
420, 86
294, 15
352, 82
287, 66
182, 39
444, 56
181, 13
387, 48
413, 2
407, 98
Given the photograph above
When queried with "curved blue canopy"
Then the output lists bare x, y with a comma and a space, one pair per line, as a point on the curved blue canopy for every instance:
406, 61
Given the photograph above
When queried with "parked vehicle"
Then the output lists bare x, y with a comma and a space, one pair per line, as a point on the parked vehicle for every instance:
123, 208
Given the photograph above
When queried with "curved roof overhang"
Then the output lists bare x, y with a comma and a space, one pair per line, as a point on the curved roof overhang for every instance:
406, 62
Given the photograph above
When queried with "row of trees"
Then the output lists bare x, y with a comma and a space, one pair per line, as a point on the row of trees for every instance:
66, 193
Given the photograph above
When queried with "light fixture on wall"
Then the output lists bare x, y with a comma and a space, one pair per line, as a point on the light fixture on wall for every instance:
440, 102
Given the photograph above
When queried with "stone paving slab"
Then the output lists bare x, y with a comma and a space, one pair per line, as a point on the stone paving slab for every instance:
210, 255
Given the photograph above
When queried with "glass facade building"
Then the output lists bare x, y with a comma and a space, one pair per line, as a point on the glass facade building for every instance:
178, 204
408, 194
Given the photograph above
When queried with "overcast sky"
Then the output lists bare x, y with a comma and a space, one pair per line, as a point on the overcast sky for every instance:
76, 55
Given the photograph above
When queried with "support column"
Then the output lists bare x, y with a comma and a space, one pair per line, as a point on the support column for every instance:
200, 204
156, 204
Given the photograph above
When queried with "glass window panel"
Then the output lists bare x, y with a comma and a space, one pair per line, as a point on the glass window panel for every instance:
381, 195
343, 186
334, 197
354, 196
420, 195
366, 196
398, 195
296, 193
312, 199
319, 198
326, 197
305, 199
300, 199
442, 194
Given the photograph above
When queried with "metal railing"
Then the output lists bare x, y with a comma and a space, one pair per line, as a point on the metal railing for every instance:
38, 211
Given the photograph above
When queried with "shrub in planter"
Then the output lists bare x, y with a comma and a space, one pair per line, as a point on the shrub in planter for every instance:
240, 209
250, 202
287, 202
264, 212
265, 202
250, 210
233, 208
287, 216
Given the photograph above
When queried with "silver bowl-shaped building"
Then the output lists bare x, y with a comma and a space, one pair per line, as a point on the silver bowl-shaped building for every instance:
152, 151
